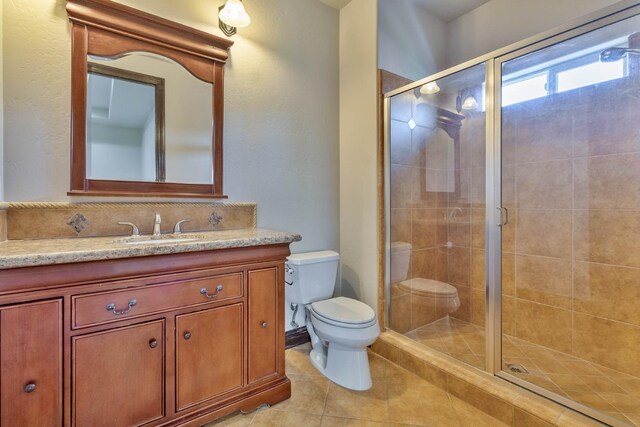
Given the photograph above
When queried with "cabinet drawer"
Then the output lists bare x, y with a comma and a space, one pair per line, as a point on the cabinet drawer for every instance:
112, 306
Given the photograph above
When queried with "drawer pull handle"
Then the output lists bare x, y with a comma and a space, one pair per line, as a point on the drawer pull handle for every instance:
112, 308
263, 324
30, 387
204, 292
153, 343
187, 335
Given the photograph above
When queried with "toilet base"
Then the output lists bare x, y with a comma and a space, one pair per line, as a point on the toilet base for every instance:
347, 367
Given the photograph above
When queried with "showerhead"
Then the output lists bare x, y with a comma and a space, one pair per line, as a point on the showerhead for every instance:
613, 54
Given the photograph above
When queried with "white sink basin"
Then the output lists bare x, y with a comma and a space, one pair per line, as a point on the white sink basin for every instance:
157, 241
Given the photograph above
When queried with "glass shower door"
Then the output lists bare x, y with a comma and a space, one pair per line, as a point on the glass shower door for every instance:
570, 189
437, 214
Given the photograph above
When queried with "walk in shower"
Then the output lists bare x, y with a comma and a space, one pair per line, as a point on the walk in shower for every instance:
513, 215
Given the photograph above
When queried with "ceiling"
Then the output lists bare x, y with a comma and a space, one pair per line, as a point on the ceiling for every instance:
445, 10
336, 4
448, 10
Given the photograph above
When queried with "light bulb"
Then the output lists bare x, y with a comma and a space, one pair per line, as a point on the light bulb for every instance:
234, 15
429, 88
470, 103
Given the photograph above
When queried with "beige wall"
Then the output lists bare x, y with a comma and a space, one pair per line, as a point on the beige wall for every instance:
358, 151
281, 118
1, 111
36, 77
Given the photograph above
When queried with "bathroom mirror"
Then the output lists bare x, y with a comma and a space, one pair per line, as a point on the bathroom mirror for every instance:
147, 102
125, 124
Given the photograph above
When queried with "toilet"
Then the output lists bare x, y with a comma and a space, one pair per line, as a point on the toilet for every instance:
340, 328
400, 257
431, 299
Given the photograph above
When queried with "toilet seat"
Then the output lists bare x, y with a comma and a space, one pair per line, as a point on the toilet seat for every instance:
344, 312
428, 287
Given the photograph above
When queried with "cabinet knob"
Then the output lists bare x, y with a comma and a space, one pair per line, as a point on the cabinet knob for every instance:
153, 343
30, 387
263, 324
187, 335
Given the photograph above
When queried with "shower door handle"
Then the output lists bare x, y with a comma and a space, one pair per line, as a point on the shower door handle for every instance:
504, 216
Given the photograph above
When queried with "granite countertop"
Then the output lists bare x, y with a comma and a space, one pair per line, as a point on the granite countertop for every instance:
28, 253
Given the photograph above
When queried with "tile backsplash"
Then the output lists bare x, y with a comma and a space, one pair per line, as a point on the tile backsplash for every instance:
64, 220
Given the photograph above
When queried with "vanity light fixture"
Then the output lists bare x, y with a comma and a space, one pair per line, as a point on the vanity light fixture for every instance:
466, 101
232, 15
429, 88
470, 103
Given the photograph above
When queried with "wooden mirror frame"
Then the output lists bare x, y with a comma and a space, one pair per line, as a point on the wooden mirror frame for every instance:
108, 29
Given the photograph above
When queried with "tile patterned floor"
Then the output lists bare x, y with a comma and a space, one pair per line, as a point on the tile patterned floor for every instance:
609, 391
397, 398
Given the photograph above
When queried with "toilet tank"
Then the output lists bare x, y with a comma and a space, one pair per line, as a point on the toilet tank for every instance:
400, 257
312, 276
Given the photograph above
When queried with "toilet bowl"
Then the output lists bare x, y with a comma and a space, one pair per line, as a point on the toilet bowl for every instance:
431, 300
340, 328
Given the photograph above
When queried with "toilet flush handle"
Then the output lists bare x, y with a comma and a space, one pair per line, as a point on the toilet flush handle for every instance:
290, 272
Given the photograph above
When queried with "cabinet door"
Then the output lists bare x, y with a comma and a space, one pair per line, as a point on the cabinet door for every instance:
118, 376
263, 325
31, 364
208, 354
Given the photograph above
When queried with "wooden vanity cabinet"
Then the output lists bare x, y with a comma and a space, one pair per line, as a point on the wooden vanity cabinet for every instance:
31, 364
204, 338
118, 376
263, 324
208, 354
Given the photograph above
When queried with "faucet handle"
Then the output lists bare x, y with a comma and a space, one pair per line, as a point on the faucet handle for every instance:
134, 229
176, 228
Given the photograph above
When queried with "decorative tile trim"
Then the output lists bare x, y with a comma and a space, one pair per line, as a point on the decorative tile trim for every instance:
116, 205
78, 222
215, 219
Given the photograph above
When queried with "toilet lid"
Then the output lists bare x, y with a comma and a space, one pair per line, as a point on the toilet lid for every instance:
428, 287
344, 310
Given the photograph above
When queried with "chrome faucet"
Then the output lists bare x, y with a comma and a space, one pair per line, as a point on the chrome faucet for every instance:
156, 225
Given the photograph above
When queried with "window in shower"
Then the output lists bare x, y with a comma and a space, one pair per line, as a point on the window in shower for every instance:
437, 215
570, 251
525, 89
566, 73
590, 74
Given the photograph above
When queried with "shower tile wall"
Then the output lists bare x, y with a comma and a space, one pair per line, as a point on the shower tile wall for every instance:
571, 250
428, 220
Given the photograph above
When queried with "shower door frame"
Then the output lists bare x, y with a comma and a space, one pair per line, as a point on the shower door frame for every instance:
493, 243
494, 231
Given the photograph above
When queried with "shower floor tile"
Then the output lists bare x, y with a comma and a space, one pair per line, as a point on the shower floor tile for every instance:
612, 392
